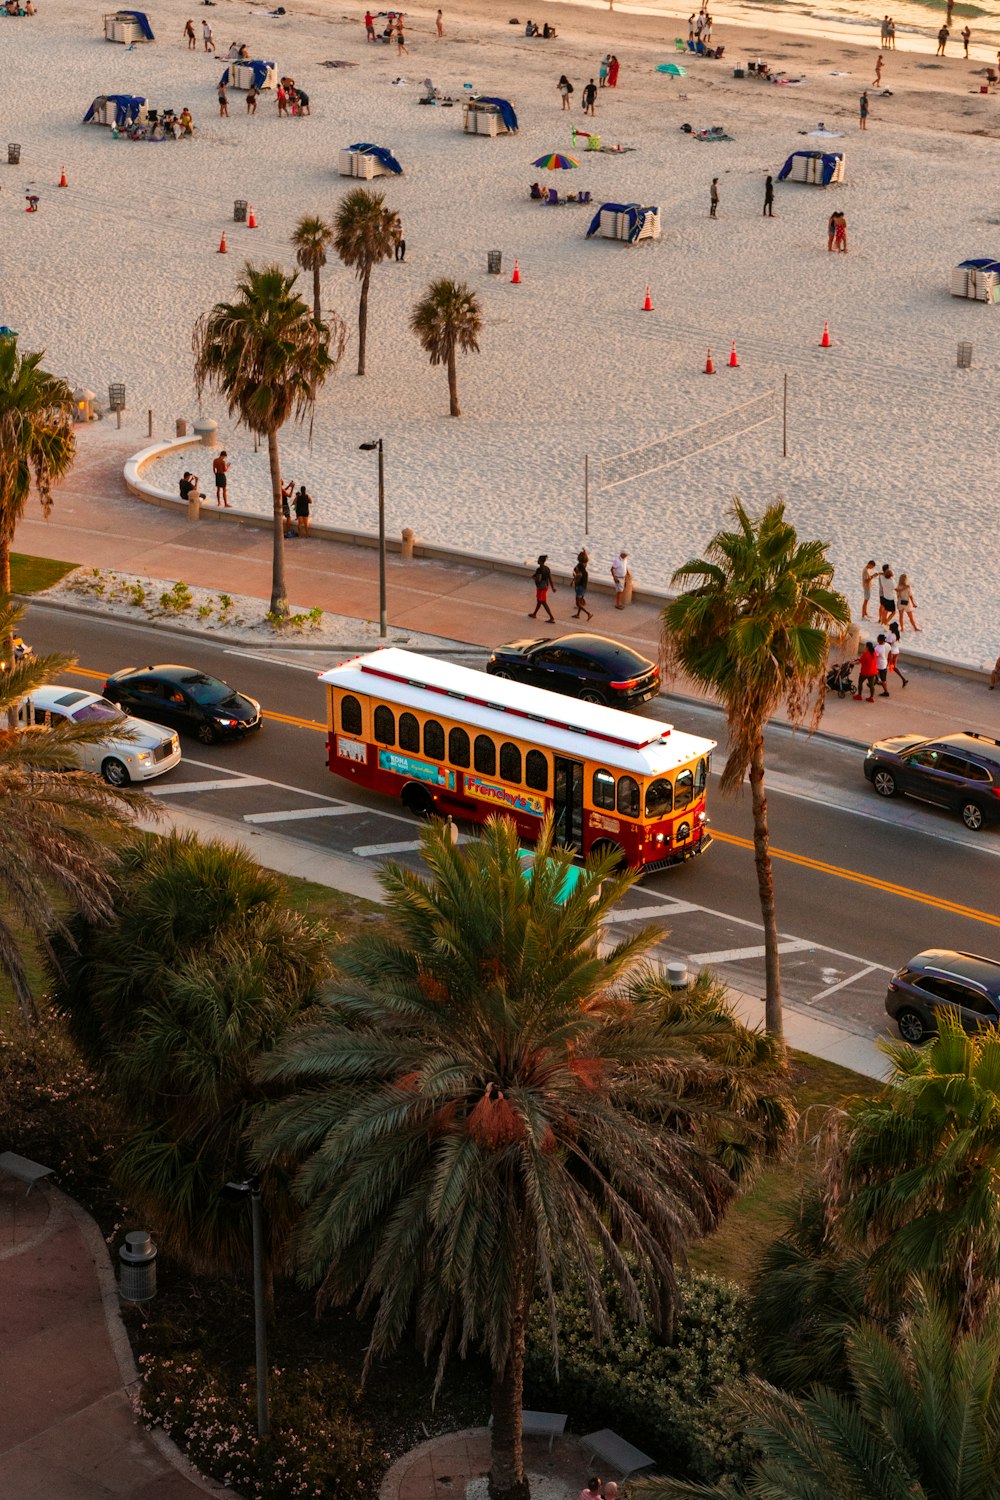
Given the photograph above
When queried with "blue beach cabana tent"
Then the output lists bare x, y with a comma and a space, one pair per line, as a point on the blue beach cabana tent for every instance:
128, 26
630, 222
485, 115
116, 109
506, 110
242, 75
382, 155
818, 167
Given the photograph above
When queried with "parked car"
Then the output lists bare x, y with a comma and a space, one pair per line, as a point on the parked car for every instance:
148, 751
957, 771
185, 698
966, 982
582, 665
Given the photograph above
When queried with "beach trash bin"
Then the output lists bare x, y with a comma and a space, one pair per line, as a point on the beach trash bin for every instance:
240, 211
493, 262
204, 429
964, 355
739, 73
13, 153
137, 1268
677, 975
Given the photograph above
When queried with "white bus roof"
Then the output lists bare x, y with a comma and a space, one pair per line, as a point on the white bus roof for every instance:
627, 741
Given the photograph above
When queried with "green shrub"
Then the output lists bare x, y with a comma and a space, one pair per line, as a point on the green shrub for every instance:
317, 1446
671, 1398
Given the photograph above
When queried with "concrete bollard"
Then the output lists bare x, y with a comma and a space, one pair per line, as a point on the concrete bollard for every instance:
205, 430
194, 506
406, 550
182, 427
627, 593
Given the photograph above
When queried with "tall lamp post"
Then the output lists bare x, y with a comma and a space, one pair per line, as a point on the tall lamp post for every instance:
238, 1192
383, 628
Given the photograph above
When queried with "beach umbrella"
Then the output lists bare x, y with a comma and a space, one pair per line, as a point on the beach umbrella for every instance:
673, 69
555, 162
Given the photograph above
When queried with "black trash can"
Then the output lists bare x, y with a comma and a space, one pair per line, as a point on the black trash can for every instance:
493, 259
13, 154
240, 211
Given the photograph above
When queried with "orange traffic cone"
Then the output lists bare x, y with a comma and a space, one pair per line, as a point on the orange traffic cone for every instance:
734, 363
647, 306
222, 244
826, 342
62, 178
709, 367
251, 221
515, 280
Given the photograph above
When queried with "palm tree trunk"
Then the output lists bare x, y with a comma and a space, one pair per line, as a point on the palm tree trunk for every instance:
773, 1019
279, 591
6, 646
317, 315
507, 1476
363, 318
454, 409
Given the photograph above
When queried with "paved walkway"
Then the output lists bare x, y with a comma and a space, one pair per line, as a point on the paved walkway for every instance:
66, 1427
443, 1467
96, 522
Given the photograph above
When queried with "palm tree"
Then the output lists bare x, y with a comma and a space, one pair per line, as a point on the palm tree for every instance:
58, 826
36, 444
755, 631
447, 318
921, 1422
365, 233
492, 1099
201, 969
311, 237
268, 358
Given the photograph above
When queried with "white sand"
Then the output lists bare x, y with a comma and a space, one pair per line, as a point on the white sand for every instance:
890, 446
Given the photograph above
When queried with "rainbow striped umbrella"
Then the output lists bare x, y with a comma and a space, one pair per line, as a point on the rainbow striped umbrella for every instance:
555, 162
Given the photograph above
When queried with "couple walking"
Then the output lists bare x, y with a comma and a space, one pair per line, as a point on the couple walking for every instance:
543, 581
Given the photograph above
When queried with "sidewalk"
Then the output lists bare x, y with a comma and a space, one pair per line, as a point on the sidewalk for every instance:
66, 1426
95, 522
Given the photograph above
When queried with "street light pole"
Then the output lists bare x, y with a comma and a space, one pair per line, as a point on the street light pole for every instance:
383, 628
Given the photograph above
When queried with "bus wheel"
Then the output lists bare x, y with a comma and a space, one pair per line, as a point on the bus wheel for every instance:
604, 847
416, 799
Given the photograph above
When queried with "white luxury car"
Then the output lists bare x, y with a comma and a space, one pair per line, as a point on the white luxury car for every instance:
148, 752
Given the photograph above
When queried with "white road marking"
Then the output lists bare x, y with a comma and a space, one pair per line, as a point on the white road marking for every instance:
649, 913
843, 983
225, 785
367, 850
733, 955
301, 791
293, 814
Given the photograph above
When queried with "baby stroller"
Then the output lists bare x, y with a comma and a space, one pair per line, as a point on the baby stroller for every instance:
838, 679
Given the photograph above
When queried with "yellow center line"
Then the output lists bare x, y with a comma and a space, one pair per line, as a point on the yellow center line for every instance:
955, 908
871, 881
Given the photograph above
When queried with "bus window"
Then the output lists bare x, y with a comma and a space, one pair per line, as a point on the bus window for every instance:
604, 790
659, 798
350, 714
485, 755
458, 747
409, 733
510, 762
701, 777
385, 726
684, 789
433, 740
628, 796
536, 771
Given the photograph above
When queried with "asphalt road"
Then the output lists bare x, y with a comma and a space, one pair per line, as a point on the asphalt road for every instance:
861, 884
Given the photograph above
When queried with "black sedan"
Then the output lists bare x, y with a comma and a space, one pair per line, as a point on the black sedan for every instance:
583, 665
185, 699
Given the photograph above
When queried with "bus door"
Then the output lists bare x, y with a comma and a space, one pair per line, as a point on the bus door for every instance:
568, 802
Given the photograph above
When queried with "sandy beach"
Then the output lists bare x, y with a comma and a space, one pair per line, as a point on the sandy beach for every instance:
889, 453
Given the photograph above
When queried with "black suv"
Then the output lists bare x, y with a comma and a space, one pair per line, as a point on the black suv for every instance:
583, 665
966, 982
957, 771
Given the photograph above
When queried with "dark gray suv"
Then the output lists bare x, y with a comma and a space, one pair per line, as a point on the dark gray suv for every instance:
966, 982
957, 771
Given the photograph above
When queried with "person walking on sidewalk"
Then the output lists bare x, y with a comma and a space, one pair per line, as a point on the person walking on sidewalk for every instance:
768, 212
303, 505
620, 574
868, 574
867, 673
542, 579
882, 662
894, 653
220, 468
581, 578
713, 198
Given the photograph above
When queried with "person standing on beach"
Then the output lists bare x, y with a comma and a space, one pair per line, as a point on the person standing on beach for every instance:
565, 89
942, 41
602, 72
192, 40
840, 232
370, 27
581, 578
220, 468
966, 39
884, 37
863, 110
589, 97
905, 602
613, 66
400, 249
886, 594
831, 230
400, 39
868, 573
439, 23
768, 211
877, 81
713, 198
890, 35
206, 36
542, 579
223, 102
252, 99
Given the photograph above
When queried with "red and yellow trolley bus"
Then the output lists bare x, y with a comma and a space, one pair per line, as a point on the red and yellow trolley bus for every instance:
446, 739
